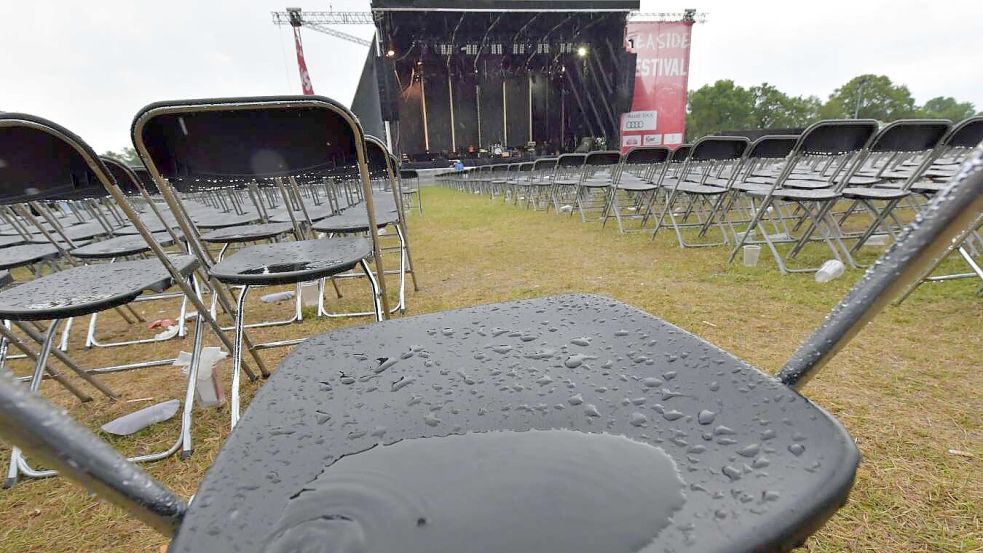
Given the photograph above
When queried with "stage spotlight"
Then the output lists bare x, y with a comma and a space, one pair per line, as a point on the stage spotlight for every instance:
582, 51
390, 53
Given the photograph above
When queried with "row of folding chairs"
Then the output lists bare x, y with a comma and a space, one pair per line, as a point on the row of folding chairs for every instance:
235, 194
839, 184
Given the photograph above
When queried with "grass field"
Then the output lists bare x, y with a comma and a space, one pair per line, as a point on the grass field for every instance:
908, 388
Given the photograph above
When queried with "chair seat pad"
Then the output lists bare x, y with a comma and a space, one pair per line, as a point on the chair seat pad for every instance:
315, 212
217, 219
354, 219
864, 193
748, 186
120, 246
805, 184
18, 256
798, 194
13, 240
88, 288
152, 223
740, 462
861, 180
699, 189
74, 233
927, 187
246, 233
637, 186
597, 182
292, 262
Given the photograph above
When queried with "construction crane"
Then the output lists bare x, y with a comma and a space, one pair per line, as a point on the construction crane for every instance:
322, 22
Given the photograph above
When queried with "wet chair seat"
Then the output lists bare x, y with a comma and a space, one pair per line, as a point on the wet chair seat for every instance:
246, 233
17, 256
119, 246
88, 289
354, 220
290, 262
414, 432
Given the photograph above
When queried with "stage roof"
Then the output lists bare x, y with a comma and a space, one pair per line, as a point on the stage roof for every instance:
506, 5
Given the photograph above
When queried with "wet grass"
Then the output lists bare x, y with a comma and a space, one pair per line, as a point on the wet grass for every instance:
908, 388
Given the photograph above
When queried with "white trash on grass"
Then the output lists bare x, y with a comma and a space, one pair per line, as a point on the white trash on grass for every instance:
208, 387
276, 297
138, 420
833, 268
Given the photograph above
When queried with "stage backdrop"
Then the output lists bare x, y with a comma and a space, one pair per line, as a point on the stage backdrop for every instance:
658, 108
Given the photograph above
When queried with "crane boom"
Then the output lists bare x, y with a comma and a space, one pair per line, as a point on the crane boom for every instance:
338, 34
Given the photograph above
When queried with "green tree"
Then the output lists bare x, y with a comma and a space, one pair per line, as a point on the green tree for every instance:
870, 97
775, 109
720, 106
127, 155
946, 107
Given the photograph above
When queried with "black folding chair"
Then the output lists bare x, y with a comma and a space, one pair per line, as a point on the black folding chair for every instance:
410, 186
44, 161
599, 171
388, 212
201, 144
636, 180
905, 137
705, 176
566, 175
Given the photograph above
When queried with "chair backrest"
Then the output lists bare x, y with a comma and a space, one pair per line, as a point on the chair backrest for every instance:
544, 163
645, 155
567, 161
382, 166
842, 142
836, 137
145, 179
125, 176
209, 143
772, 146
199, 144
408, 174
602, 158
378, 158
718, 148
681, 152
968, 133
41, 160
910, 135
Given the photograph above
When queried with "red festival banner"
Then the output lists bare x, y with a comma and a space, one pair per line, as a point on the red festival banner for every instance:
305, 77
658, 108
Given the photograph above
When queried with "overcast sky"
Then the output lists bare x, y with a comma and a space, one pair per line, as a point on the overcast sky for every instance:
91, 65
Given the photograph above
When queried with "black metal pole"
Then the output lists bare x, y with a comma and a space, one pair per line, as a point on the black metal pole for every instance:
51, 436
946, 219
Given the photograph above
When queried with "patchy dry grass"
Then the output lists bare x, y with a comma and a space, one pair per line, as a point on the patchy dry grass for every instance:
908, 388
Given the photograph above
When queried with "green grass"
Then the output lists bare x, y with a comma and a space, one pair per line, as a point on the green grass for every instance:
908, 387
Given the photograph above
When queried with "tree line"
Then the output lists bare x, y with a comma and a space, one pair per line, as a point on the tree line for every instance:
725, 105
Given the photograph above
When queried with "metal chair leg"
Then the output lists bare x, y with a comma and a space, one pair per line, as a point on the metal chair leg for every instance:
376, 296
237, 357
15, 453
